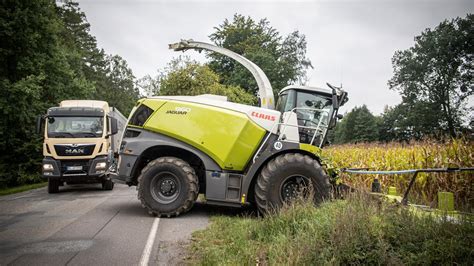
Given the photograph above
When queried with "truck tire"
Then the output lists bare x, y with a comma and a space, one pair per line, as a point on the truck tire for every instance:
107, 184
288, 176
168, 186
53, 186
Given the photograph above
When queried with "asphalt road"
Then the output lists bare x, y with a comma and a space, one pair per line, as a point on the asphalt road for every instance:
83, 225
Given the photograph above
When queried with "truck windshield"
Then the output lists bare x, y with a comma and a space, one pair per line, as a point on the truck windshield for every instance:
75, 127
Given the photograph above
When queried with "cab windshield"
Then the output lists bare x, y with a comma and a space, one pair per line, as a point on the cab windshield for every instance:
312, 110
75, 127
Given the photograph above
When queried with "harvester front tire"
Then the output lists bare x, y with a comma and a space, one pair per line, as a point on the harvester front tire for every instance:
53, 186
168, 186
271, 182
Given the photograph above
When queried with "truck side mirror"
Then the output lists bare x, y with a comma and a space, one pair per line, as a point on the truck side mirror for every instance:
113, 126
39, 123
340, 116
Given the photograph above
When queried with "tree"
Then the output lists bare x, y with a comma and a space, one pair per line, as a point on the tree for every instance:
48, 55
283, 59
117, 84
402, 122
435, 76
186, 77
359, 125
36, 71
112, 79
149, 85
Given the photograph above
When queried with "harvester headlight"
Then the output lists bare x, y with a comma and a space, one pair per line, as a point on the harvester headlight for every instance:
101, 165
48, 167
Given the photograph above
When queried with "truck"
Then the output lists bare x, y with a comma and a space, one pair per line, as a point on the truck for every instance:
176, 147
81, 141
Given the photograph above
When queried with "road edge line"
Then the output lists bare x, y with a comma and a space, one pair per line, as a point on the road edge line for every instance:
149, 243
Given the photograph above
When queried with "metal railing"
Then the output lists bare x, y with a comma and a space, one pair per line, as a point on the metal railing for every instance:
319, 128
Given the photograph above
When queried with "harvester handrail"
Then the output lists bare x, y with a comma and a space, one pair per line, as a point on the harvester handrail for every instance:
316, 129
322, 111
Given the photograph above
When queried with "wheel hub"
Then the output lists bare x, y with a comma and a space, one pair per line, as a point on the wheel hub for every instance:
165, 187
168, 187
293, 187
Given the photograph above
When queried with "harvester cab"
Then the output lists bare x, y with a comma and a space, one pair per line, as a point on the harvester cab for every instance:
176, 147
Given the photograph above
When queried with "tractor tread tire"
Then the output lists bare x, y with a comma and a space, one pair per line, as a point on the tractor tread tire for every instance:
271, 173
191, 179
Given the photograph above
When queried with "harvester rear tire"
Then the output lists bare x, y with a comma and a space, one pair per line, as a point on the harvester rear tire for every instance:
53, 186
270, 185
168, 186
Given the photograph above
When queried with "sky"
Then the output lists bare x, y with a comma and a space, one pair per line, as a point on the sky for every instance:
348, 42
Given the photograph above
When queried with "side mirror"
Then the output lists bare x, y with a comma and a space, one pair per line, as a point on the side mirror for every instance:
340, 116
335, 102
113, 126
39, 123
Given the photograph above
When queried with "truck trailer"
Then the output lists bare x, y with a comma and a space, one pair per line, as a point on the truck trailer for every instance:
81, 141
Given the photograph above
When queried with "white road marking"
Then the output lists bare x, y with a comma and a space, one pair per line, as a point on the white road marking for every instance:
149, 243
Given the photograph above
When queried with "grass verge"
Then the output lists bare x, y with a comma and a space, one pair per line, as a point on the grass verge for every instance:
354, 231
13, 190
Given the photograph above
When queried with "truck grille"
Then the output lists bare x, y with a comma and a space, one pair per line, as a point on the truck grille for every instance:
74, 149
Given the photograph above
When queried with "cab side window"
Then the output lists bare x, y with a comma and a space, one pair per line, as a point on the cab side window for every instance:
141, 115
282, 102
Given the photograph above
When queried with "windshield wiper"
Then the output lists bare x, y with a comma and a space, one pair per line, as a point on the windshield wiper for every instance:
63, 135
89, 134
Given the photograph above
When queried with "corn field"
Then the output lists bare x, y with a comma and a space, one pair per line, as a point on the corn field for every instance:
414, 155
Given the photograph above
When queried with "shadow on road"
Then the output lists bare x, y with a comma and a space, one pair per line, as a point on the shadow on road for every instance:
80, 188
201, 208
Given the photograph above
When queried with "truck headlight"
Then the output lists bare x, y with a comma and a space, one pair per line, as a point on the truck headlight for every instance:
101, 165
48, 167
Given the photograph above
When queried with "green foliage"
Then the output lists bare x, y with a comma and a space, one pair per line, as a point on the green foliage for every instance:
116, 85
283, 59
359, 125
435, 78
112, 78
48, 55
22, 188
185, 77
355, 231
36, 71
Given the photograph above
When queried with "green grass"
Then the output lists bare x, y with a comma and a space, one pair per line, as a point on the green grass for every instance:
13, 190
354, 231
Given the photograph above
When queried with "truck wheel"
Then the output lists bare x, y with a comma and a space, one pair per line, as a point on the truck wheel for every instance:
107, 184
168, 186
288, 177
53, 186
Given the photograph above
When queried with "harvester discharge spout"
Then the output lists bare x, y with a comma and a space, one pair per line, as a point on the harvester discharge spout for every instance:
267, 100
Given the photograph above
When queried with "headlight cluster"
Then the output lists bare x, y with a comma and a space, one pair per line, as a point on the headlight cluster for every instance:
100, 166
47, 167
